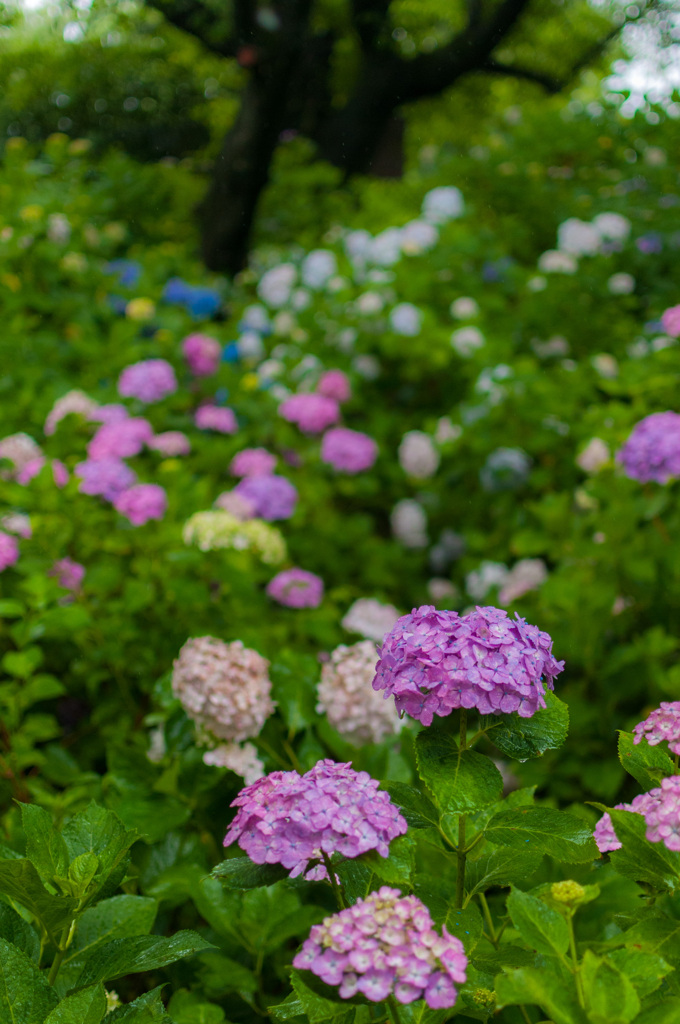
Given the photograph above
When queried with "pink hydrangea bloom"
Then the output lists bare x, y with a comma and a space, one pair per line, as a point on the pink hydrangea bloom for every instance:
434, 661
240, 758
150, 380
17, 522
348, 450
60, 473
216, 417
69, 574
19, 449
236, 504
121, 439
296, 588
348, 700
9, 550
661, 810
112, 413
202, 354
106, 477
224, 688
652, 452
30, 470
386, 945
290, 819
272, 497
169, 443
141, 503
253, 462
335, 384
670, 321
662, 725
73, 402
312, 413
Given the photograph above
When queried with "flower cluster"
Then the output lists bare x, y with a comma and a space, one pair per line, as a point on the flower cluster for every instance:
349, 451
141, 503
20, 450
347, 699
170, 443
670, 321
202, 354
72, 403
252, 462
661, 810
417, 455
652, 452
312, 413
217, 529
370, 618
292, 819
69, 574
9, 550
224, 688
435, 661
296, 588
334, 384
150, 380
105, 477
217, 418
386, 945
662, 725
271, 497
121, 439
240, 758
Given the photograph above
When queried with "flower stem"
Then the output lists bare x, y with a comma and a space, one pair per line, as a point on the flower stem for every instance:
337, 891
394, 1009
574, 957
461, 854
493, 938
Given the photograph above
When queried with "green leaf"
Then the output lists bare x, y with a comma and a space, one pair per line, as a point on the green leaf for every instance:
417, 808
45, 848
18, 932
501, 867
82, 871
659, 935
139, 953
493, 961
667, 1012
319, 1007
648, 765
25, 996
396, 868
609, 994
188, 1008
523, 738
87, 1006
358, 879
466, 924
115, 918
555, 995
242, 873
147, 1009
460, 781
294, 678
542, 928
638, 859
10, 609
98, 831
20, 881
645, 970
543, 830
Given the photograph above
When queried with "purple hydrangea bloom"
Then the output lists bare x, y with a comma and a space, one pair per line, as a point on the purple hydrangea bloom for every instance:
348, 450
9, 550
202, 353
312, 413
106, 477
661, 725
120, 439
149, 380
434, 661
170, 442
273, 497
141, 503
69, 574
661, 810
652, 452
290, 819
670, 321
114, 412
252, 462
216, 417
296, 588
335, 384
386, 945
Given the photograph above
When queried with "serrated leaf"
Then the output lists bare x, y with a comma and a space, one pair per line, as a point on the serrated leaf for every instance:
319, 1007
466, 924
139, 953
357, 878
45, 848
19, 933
648, 765
542, 928
638, 859
98, 831
501, 867
555, 996
87, 1006
243, 873
460, 781
609, 994
659, 935
504, 958
645, 970
417, 808
147, 1009
115, 918
522, 738
21, 882
543, 830
25, 996
394, 869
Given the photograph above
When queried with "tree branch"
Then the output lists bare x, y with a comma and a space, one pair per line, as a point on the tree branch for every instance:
496, 67
194, 18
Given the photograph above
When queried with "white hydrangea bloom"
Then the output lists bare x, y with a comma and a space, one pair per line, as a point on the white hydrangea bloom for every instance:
255, 318
417, 455
347, 698
409, 523
406, 319
480, 581
612, 226
250, 346
443, 204
241, 758
318, 267
621, 284
370, 618
467, 340
418, 236
463, 308
369, 303
275, 286
555, 262
527, 574
578, 238
594, 456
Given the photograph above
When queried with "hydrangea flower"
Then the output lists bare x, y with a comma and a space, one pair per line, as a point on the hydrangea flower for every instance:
578, 238
435, 661
652, 452
17, 522
312, 413
408, 520
217, 528
406, 319
275, 286
142, 502
662, 725
30, 470
72, 403
224, 687
370, 618
318, 267
9, 550
216, 417
347, 699
19, 449
149, 380
120, 440
670, 321
505, 469
296, 588
594, 456
106, 477
113, 412
69, 574
252, 462
442, 204
235, 504
202, 353
661, 810
335, 384
386, 945
527, 574
272, 497
240, 758
417, 455
291, 819
170, 443
466, 340
60, 473
349, 451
